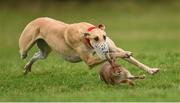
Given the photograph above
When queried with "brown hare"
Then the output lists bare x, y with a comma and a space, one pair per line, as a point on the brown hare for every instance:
112, 73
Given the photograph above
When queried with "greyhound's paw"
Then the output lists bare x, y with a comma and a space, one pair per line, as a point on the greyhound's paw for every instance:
153, 70
142, 76
127, 54
27, 68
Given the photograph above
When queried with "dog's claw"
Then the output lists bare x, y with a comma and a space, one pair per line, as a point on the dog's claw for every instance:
128, 54
25, 72
153, 70
27, 68
142, 76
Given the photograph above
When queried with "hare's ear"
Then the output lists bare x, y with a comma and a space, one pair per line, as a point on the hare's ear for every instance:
101, 26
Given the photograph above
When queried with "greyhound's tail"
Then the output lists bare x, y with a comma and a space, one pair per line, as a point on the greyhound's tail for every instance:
27, 39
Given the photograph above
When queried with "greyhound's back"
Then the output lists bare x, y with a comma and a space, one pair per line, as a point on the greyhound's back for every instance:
32, 32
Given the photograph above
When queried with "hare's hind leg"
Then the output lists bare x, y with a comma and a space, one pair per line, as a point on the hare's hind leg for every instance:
128, 81
43, 52
137, 77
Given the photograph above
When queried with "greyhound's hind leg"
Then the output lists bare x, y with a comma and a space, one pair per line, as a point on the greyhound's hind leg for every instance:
41, 54
36, 56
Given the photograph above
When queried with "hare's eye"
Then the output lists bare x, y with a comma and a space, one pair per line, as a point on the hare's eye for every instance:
96, 38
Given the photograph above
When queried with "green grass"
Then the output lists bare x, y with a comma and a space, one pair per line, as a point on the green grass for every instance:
152, 33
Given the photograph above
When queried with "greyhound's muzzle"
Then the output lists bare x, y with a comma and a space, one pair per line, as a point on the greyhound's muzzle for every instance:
102, 49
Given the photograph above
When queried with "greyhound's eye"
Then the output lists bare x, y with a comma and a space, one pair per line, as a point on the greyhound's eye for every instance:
104, 37
96, 38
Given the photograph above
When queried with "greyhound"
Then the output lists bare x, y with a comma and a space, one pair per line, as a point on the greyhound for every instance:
74, 42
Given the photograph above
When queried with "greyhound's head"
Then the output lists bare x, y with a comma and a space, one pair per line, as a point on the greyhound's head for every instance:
97, 39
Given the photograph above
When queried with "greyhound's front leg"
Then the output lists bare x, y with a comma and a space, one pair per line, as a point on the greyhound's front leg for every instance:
141, 65
117, 52
88, 57
120, 53
91, 60
135, 62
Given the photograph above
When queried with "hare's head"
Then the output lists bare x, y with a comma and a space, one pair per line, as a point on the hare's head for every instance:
115, 68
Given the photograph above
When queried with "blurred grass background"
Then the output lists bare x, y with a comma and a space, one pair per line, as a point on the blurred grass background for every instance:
148, 28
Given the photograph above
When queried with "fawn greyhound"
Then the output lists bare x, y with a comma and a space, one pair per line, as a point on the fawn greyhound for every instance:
74, 42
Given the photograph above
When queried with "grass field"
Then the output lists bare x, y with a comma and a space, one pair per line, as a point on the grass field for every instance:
151, 32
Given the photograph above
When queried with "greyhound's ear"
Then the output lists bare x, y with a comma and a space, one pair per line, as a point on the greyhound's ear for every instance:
101, 26
86, 34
